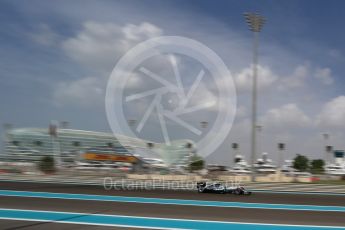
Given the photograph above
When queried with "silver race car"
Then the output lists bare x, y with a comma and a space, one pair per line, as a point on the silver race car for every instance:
204, 187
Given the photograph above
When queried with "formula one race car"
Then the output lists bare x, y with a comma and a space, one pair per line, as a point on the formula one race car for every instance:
204, 187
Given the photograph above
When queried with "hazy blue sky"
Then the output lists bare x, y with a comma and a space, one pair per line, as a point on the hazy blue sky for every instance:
56, 57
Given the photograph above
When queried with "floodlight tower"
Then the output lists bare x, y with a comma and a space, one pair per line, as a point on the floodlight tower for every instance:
255, 23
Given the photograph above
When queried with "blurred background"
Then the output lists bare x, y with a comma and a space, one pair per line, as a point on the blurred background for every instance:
58, 56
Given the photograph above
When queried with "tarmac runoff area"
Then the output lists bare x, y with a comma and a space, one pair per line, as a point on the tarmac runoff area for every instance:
25, 205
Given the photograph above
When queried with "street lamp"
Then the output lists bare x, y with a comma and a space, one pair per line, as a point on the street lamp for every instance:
329, 150
53, 133
255, 23
326, 138
235, 147
260, 138
281, 147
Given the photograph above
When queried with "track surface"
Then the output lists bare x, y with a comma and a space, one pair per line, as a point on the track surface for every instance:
168, 211
28, 225
275, 198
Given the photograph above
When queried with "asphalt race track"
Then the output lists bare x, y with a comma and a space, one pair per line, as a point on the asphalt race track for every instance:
75, 211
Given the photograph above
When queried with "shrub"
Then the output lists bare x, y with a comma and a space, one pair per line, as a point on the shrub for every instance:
47, 164
317, 166
197, 163
301, 163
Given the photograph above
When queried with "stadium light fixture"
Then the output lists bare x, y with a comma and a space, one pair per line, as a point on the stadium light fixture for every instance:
255, 23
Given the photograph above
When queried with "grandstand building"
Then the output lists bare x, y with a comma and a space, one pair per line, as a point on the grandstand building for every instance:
68, 145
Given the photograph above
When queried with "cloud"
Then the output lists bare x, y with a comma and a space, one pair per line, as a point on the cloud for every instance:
44, 35
244, 78
336, 54
204, 96
287, 116
297, 78
141, 32
83, 92
89, 91
300, 76
324, 75
333, 113
99, 45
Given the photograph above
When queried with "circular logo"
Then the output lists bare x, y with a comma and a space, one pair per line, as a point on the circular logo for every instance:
170, 100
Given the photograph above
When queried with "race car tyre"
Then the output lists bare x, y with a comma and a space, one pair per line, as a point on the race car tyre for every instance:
237, 192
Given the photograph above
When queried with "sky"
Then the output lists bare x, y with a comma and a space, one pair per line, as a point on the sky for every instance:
57, 57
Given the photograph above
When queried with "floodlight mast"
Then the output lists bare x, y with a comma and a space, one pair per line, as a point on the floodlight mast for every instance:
255, 23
